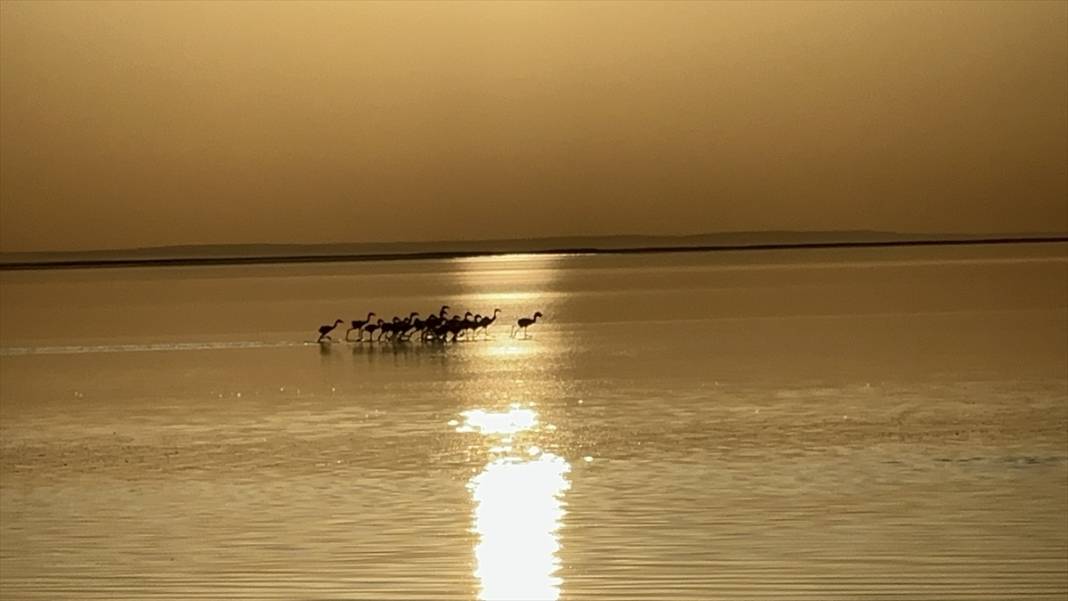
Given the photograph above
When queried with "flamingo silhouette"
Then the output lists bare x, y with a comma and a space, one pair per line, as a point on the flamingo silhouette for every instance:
472, 326
418, 325
524, 323
389, 330
371, 327
453, 325
407, 324
439, 326
431, 322
434, 323
485, 323
357, 324
324, 331
465, 324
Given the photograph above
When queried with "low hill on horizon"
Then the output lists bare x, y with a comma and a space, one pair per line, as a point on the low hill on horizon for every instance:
370, 250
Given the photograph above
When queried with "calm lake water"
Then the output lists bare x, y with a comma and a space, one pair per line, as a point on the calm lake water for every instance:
865, 424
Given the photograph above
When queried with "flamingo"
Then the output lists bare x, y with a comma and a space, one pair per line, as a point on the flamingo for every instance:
472, 326
324, 331
371, 327
453, 326
434, 322
419, 325
486, 322
357, 324
407, 324
524, 323
389, 330
465, 324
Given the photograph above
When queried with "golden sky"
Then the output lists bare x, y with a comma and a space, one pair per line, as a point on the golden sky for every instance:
135, 124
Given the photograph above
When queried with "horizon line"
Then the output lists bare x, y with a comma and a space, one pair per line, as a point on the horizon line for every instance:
439, 255
890, 235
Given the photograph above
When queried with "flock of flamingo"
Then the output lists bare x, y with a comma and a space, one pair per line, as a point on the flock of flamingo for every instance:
438, 327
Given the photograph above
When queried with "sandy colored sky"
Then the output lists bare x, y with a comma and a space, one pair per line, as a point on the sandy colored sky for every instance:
135, 124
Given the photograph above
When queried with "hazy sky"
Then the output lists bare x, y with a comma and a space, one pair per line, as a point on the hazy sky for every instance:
133, 124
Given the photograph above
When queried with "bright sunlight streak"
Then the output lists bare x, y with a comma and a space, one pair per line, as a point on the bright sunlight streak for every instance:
516, 419
518, 510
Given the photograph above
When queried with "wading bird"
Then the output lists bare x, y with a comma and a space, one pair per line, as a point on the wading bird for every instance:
357, 324
407, 324
453, 325
386, 330
485, 323
437, 327
433, 323
524, 323
418, 325
465, 324
371, 328
324, 331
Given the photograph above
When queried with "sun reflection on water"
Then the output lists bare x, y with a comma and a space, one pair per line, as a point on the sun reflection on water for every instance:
518, 510
507, 422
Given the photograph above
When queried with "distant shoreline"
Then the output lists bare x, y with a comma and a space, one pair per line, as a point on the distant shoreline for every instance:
437, 255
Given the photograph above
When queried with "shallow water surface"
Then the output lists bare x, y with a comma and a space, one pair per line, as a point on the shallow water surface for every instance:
884, 424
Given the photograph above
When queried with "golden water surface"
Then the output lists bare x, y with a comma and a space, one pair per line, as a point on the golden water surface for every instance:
819, 425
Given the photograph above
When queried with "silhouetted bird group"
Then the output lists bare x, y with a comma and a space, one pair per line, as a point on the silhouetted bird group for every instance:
437, 327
